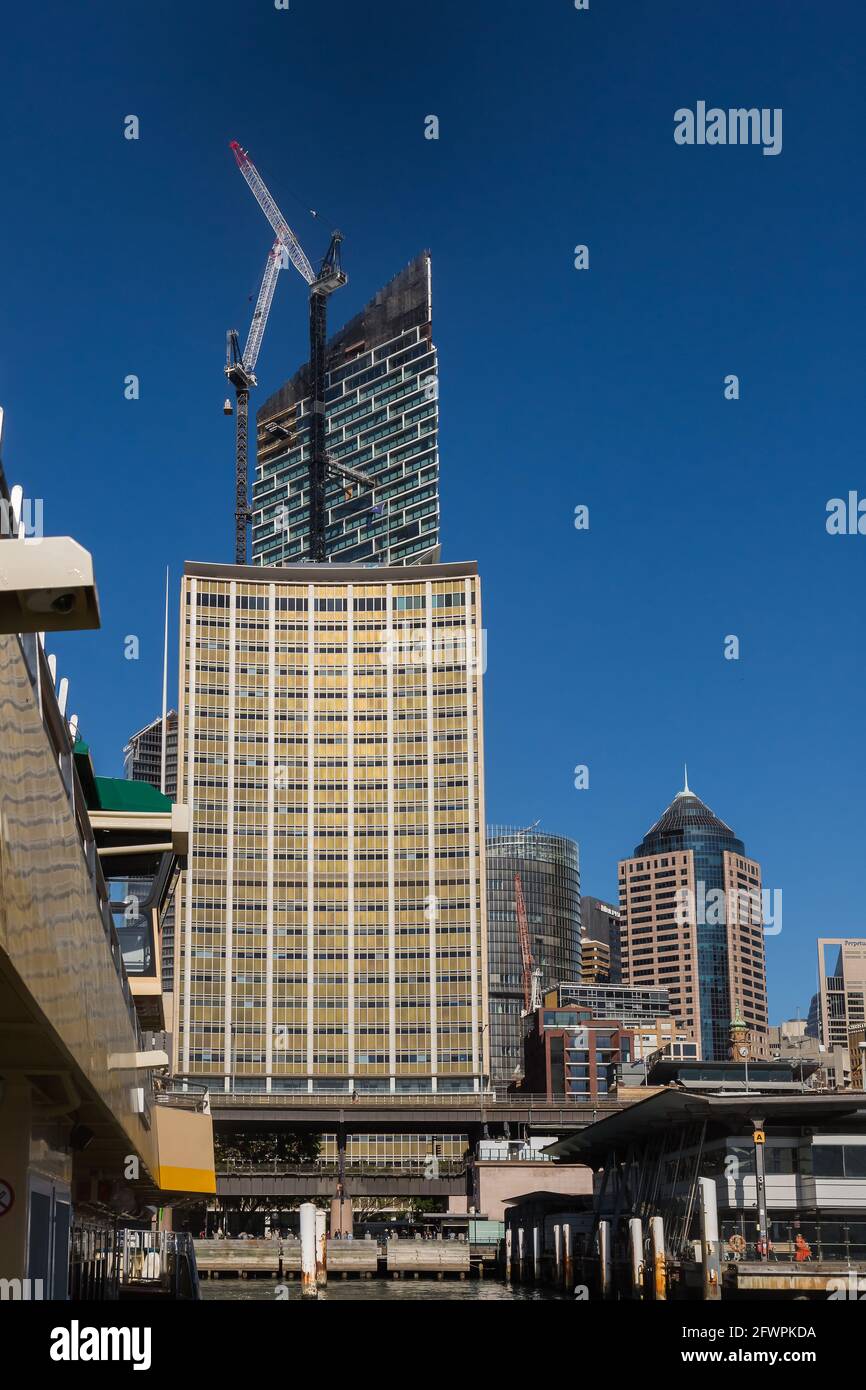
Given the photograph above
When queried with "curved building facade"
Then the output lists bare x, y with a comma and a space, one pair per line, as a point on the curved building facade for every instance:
692, 923
549, 868
331, 934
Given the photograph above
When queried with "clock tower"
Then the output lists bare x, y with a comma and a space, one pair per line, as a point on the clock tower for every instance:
741, 1042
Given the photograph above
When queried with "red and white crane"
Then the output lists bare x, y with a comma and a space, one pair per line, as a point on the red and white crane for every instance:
241, 371
531, 975
282, 231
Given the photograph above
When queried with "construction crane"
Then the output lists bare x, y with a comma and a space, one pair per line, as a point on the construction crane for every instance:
349, 474
531, 975
322, 285
240, 369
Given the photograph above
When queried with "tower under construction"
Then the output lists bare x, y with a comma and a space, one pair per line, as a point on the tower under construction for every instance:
381, 421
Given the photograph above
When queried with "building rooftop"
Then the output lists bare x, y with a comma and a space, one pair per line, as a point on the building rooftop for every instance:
336, 573
686, 816
115, 793
638, 1122
403, 303
687, 812
171, 715
122, 794
762, 1071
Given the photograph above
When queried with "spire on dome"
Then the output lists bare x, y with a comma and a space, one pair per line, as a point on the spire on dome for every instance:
686, 816
686, 791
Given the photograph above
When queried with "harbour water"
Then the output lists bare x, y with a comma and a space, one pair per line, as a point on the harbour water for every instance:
379, 1291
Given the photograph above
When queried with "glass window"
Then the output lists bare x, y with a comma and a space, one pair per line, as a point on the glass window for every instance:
855, 1160
828, 1161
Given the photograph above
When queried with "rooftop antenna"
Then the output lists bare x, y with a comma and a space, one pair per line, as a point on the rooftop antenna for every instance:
686, 791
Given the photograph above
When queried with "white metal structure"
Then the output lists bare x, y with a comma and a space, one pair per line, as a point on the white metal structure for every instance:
283, 232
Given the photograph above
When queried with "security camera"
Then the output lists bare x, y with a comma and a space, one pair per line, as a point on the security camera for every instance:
46, 585
50, 601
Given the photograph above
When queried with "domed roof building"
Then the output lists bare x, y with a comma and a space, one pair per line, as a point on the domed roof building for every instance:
691, 904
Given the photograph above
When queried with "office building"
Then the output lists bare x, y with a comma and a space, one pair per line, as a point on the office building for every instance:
692, 923
841, 988
857, 1053
830, 1068
382, 419
549, 870
594, 962
142, 755
631, 1006
332, 927
599, 922
569, 1053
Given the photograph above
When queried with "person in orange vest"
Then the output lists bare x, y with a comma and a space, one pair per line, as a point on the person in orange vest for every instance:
802, 1249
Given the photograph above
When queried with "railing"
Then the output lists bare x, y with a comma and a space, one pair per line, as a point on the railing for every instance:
472, 1099
187, 1095
445, 1168
93, 1266
820, 1241
525, 1156
158, 1260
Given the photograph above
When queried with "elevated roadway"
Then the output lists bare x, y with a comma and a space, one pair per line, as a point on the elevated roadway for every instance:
474, 1115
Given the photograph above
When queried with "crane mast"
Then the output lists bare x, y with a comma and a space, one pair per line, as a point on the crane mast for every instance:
330, 278
240, 369
322, 285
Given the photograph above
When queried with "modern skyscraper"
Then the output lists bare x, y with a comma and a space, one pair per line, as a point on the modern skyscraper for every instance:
841, 988
599, 922
142, 755
692, 922
382, 419
549, 869
332, 919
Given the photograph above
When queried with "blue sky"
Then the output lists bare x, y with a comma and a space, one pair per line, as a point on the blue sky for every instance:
559, 387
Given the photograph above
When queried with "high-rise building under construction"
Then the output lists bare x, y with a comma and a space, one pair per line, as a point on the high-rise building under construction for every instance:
382, 421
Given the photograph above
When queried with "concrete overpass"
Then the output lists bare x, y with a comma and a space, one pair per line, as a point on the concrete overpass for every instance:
309, 1182
393, 1114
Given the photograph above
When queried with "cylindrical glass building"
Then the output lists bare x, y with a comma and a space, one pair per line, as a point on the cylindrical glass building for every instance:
549, 868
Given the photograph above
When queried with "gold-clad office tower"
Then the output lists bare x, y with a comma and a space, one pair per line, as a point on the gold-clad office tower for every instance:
331, 922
